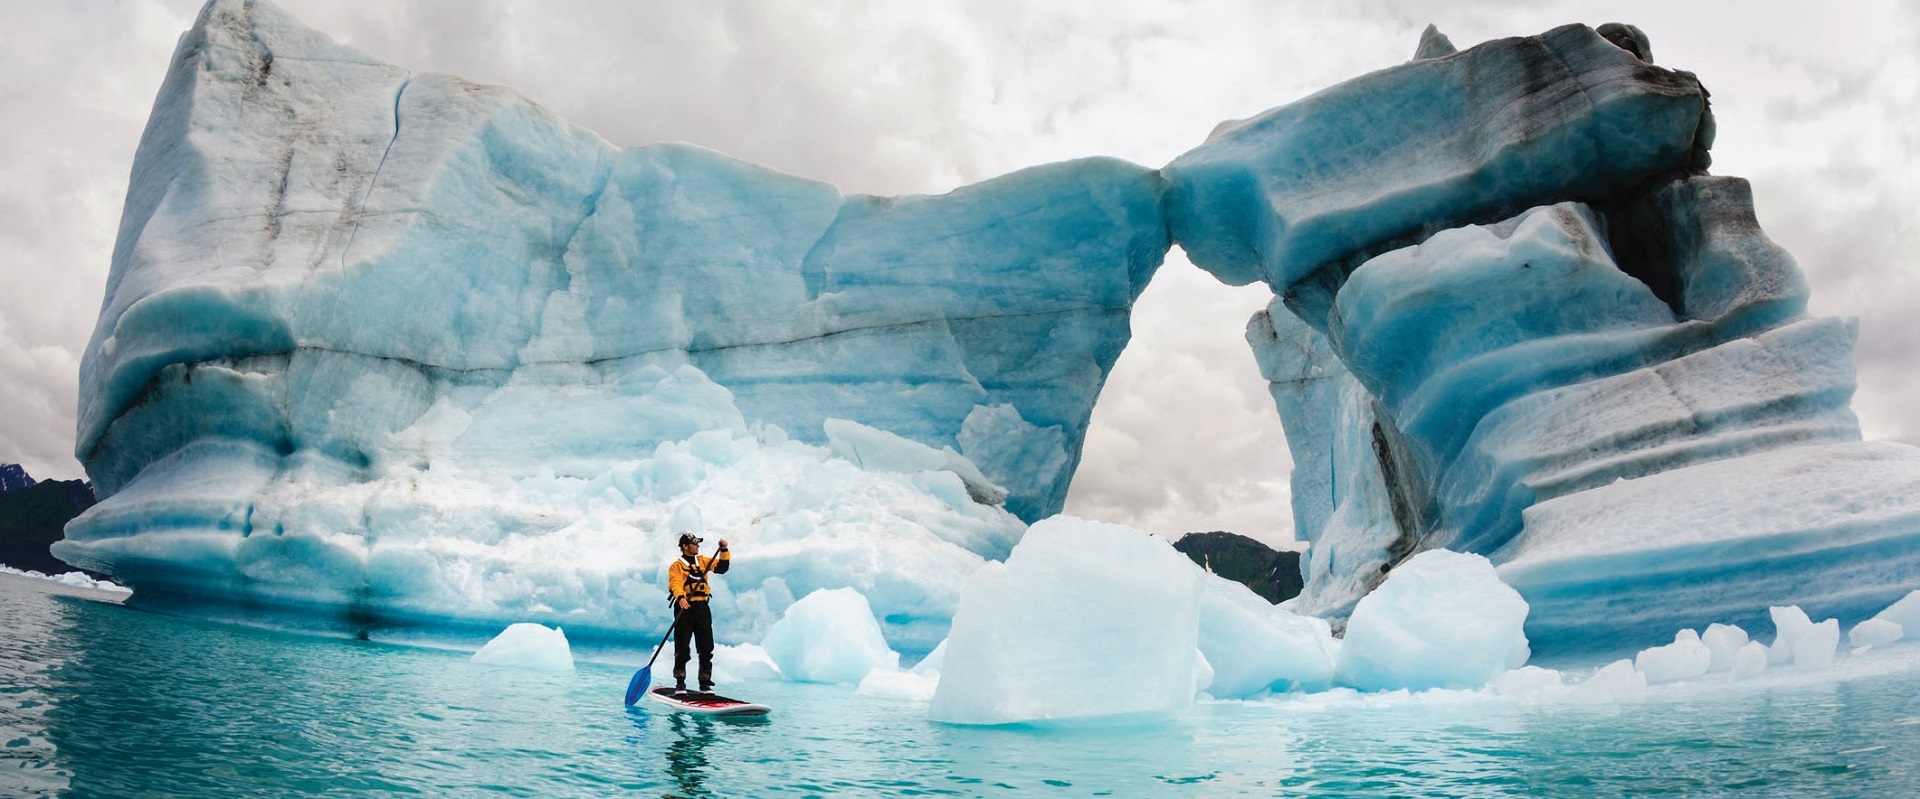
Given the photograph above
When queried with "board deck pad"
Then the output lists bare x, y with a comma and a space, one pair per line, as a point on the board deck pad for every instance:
706, 702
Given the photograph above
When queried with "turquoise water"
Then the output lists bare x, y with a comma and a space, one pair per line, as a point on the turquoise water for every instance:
97, 700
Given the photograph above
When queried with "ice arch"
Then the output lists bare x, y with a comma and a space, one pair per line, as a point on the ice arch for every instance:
382, 347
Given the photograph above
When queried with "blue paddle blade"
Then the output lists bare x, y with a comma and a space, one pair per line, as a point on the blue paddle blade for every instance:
638, 685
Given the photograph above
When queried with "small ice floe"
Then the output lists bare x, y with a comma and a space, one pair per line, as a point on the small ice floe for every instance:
1684, 659
1441, 620
1800, 642
72, 579
829, 636
1726, 649
528, 646
733, 664
1888, 626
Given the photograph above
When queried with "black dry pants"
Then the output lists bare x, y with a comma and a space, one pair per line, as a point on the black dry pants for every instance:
694, 626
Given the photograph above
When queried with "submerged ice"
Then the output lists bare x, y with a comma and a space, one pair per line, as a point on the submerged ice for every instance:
429, 357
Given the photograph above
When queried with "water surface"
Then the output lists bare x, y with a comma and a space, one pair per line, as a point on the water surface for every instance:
99, 700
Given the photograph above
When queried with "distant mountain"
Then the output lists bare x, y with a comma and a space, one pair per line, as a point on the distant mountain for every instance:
1273, 575
32, 517
14, 477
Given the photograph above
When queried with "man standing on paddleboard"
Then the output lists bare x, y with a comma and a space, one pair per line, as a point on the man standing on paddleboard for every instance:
687, 583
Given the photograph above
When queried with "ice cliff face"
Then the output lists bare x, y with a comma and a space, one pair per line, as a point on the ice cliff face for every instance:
383, 348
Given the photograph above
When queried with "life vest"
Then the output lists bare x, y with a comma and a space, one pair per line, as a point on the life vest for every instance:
689, 580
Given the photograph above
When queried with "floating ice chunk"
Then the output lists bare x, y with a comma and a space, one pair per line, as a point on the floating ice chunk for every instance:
1441, 620
1616, 681
899, 684
1905, 612
81, 580
743, 662
1254, 647
1530, 682
1083, 620
525, 645
1801, 642
1723, 640
1875, 632
1684, 659
73, 579
1750, 660
829, 636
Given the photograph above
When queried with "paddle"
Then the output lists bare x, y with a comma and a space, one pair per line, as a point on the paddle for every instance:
644, 677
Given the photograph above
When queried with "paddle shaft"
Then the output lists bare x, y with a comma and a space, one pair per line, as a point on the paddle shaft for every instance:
663, 639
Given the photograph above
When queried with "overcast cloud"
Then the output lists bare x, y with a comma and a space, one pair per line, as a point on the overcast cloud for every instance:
1818, 105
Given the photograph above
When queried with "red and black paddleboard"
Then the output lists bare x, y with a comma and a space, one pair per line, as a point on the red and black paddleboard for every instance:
710, 704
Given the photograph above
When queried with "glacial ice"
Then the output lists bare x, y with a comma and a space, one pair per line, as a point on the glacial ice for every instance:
1686, 658
740, 662
587, 550
1749, 661
70, 579
829, 636
526, 645
1083, 620
432, 345
1723, 642
1905, 612
383, 351
1798, 641
1875, 632
1254, 647
1440, 620
1631, 471
1287, 196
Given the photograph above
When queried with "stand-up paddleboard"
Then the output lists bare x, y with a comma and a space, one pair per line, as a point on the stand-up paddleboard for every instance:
705, 703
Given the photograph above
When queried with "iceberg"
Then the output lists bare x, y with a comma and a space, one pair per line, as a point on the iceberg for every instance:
382, 351
388, 349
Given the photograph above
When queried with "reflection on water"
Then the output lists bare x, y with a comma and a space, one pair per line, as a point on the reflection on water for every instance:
687, 762
687, 753
99, 700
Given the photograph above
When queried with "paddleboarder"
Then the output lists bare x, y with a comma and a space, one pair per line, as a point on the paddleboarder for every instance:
693, 630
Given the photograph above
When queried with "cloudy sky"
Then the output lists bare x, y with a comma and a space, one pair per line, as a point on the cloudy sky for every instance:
1818, 105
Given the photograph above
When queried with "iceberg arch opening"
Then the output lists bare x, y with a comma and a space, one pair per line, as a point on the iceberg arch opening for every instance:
1184, 437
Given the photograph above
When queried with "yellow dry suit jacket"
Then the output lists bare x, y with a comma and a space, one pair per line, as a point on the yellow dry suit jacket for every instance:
690, 579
